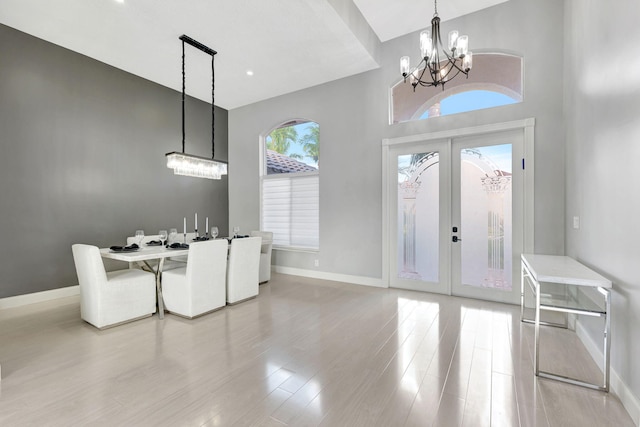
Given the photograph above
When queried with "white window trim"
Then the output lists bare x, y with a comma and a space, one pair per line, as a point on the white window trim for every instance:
262, 176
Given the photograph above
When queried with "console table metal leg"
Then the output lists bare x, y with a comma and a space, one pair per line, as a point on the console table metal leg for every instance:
536, 354
607, 339
606, 344
521, 292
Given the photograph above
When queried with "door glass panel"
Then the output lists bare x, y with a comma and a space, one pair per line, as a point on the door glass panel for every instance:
418, 216
486, 218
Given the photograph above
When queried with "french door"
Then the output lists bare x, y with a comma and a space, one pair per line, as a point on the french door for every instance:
456, 215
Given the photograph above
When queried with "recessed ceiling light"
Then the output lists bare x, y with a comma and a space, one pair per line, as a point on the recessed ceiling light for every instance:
119, 1
249, 73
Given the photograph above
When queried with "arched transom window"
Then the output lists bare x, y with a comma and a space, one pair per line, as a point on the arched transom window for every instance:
495, 80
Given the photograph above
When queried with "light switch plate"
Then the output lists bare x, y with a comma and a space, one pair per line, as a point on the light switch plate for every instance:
576, 222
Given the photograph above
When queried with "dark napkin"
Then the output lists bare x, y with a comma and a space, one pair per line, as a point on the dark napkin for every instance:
177, 245
125, 248
154, 242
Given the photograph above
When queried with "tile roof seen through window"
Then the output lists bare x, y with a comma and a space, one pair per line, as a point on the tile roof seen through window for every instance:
280, 163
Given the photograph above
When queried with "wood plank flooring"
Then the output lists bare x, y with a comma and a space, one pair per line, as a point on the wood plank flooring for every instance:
306, 352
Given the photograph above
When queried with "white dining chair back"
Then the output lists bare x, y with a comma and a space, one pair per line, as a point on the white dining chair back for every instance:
199, 287
243, 269
115, 297
265, 254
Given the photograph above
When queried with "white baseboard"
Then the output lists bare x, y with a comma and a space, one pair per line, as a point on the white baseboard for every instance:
630, 402
36, 297
346, 278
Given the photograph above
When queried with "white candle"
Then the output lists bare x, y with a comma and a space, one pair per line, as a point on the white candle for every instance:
185, 225
196, 222
206, 225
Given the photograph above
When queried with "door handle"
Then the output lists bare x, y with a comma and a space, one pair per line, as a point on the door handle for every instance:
455, 239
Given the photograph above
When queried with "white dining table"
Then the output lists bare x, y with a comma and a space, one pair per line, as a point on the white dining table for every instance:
144, 255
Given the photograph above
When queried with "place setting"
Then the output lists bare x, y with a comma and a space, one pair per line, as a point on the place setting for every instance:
178, 245
163, 235
130, 248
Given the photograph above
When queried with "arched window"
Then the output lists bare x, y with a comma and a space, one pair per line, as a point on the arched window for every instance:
290, 178
496, 79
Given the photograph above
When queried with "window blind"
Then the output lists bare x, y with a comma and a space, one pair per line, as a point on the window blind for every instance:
290, 209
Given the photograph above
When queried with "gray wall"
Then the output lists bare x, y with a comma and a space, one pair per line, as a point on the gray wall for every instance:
83, 161
353, 118
602, 107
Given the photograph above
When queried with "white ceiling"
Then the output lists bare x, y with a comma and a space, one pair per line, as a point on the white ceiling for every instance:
288, 44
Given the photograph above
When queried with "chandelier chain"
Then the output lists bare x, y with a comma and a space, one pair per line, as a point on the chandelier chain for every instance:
213, 108
435, 8
183, 96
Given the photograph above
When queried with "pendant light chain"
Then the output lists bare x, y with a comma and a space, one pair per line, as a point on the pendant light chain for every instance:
183, 92
213, 108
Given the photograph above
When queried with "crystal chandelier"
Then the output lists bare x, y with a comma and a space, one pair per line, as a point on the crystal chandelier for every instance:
188, 164
199, 167
434, 70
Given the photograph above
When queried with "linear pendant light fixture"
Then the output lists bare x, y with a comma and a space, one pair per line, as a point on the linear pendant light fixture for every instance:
432, 69
188, 164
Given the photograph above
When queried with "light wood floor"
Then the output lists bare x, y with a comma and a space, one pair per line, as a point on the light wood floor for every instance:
304, 353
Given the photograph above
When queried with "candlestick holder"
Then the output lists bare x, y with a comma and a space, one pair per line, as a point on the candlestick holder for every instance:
199, 238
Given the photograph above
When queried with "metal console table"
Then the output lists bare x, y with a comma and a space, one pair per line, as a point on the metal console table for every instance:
564, 270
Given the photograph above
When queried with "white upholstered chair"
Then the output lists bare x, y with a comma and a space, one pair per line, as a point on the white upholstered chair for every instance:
265, 254
243, 269
199, 287
109, 299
